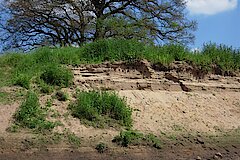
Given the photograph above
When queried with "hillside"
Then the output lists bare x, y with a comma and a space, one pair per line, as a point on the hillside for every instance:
179, 110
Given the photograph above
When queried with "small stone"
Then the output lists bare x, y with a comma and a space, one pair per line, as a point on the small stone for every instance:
198, 158
219, 155
199, 140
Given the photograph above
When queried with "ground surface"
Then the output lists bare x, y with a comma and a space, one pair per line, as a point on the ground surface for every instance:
196, 115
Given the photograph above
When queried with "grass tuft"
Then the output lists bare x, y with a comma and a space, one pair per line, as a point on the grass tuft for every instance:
22, 80
31, 115
131, 137
101, 108
59, 76
101, 147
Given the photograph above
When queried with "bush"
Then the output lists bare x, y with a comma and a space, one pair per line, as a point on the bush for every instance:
31, 115
22, 80
94, 106
56, 75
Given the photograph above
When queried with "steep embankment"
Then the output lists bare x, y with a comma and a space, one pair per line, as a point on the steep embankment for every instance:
193, 112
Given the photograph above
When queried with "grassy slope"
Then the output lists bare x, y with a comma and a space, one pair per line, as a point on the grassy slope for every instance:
26, 69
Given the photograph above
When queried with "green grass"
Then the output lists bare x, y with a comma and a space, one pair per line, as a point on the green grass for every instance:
31, 115
73, 139
22, 80
58, 76
101, 109
9, 97
4, 97
5, 75
48, 63
131, 137
101, 147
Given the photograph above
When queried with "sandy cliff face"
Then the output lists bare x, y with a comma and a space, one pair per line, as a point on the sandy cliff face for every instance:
170, 102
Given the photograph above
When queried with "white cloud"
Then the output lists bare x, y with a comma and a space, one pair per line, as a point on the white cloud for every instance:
210, 7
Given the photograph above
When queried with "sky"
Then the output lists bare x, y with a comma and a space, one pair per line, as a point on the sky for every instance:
218, 21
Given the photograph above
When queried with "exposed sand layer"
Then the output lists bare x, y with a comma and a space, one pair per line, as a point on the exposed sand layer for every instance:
178, 100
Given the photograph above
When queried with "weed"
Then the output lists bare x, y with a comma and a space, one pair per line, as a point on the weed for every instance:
56, 75
73, 139
45, 88
3, 97
177, 128
101, 147
22, 80
128, 138
100, 107
131, 137
61, 96
153, 140
13, 128
31, 115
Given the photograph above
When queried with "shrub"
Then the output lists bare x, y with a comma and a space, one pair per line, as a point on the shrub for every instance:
31, 115
94, 105
56, 75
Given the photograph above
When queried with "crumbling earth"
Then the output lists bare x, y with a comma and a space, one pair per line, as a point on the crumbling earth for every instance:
195, 113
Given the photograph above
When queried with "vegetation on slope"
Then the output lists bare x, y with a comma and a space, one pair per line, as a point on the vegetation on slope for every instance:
31, 115
101, 108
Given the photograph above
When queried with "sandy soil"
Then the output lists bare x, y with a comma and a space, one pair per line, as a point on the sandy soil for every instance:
164, 111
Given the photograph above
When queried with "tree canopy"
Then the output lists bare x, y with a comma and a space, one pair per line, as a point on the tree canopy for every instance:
30, 23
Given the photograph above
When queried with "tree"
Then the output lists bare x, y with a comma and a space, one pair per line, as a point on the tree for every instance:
73, 22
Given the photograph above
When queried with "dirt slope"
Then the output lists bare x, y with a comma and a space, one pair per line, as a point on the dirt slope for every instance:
180, 104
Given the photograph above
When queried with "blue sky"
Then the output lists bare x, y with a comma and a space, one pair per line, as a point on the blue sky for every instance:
218, 21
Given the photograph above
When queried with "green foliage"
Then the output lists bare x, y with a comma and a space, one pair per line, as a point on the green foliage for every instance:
73, 139
56, 75
101, 147
5, 75
129, 138
153, 141
19, 68
223, 56
31, 115
3, 97
132, 137
98, 107
112, 50
22, 80
45, 88
13, 128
